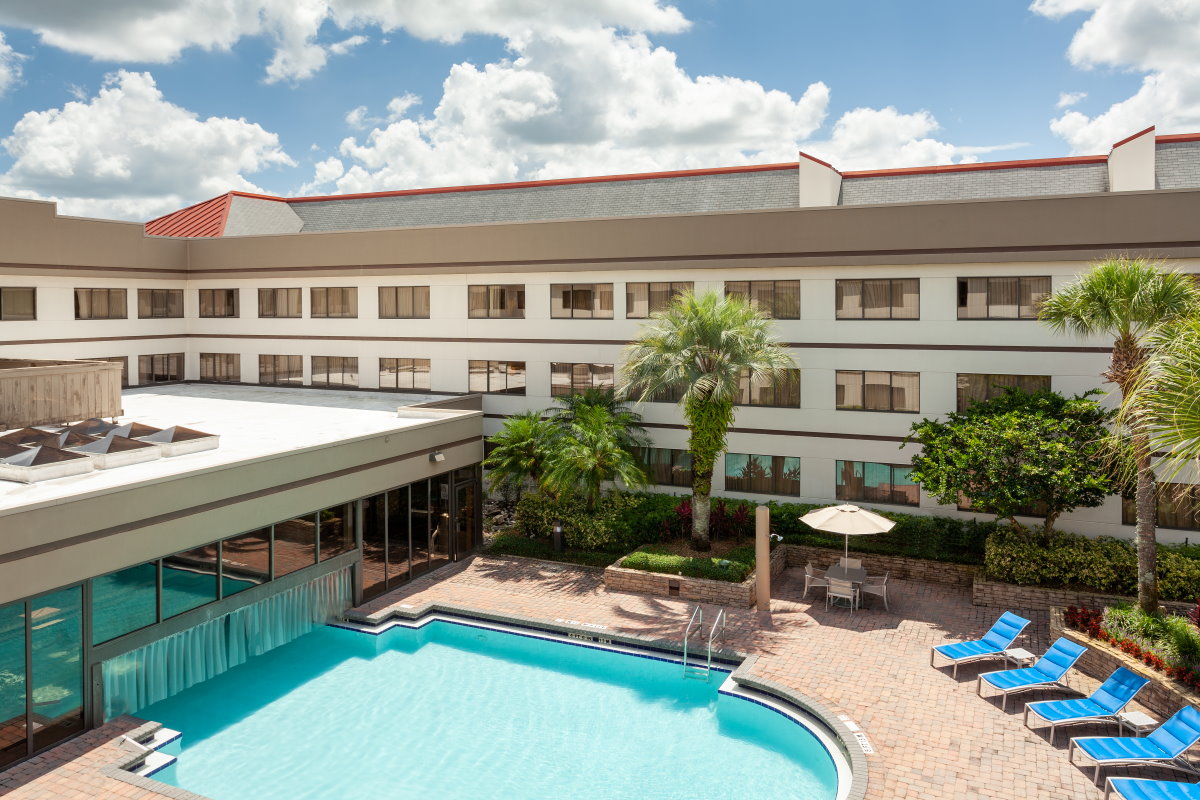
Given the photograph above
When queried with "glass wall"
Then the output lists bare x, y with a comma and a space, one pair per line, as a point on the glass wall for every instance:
295, 544
245, 561
56, 661
125, 601
13, 746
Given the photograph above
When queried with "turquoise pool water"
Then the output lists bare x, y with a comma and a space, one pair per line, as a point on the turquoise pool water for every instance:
456, 712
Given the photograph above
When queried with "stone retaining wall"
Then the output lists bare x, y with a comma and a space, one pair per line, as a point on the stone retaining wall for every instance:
899, 567
1008, 595
1161, 697
700, 590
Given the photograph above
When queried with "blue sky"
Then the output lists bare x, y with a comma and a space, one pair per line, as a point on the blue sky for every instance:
140, 107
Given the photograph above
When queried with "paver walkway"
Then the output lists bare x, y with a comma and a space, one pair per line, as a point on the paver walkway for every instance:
934, 738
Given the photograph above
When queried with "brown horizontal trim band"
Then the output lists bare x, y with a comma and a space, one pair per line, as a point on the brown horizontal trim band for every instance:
918, 251
765, 431
6, 265
1010, 348
104, 533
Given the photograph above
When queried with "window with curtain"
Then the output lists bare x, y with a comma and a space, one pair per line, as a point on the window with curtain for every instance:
279, 303
644, 299
160, 303
221, 367
1001, 298
978, 387
567, 379
404, 302
1178, 507
334, 302
879, 298
784, 393
581, 300
756, 474
218, 302
334, 371
160, 368
404, 373
779, 299
866, 390
496, 301
276, 370
665, 466
18, 303
101, 304
496, 377
872, 482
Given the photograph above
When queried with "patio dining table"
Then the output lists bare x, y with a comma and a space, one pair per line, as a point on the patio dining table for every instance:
852, 574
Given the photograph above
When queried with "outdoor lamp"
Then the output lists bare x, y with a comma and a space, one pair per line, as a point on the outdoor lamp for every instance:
558, 531
437, 456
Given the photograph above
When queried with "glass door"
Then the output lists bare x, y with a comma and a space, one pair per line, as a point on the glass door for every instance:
465, 516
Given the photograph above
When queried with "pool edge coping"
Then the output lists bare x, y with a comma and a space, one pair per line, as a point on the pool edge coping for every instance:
803, 703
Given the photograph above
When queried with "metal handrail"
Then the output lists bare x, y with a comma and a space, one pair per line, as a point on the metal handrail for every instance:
718, 628
696, 620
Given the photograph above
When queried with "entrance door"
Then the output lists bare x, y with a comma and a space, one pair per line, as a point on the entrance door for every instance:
466, 515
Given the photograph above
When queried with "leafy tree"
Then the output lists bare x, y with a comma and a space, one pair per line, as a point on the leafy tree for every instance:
1130, 300
592, 451
625, 423
1169, 395
1016, 454
520, 452
699, 348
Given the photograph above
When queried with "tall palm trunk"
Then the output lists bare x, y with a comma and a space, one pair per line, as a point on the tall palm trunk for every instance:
708, 422
1128, 361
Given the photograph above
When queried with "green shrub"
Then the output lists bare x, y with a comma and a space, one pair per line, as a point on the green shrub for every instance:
512, 544
604, 528
657, 559
1103, 564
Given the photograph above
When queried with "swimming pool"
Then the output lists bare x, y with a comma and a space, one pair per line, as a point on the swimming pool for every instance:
455, 711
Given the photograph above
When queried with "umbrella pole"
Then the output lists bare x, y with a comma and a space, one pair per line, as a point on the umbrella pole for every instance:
847, 536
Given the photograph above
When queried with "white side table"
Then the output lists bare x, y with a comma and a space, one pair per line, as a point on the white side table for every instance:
1020, 656
1137, 722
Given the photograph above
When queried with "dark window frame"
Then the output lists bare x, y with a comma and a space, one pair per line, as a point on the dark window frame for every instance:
397, 293
227, 301
230, 366
489, 293
411, 368
894, 285
753, 290
746, 396
862, 373
674, 465
320, 308
160, 303
995, 386
6, 314
673, 290
273, 360
572, 310
274, 302
573, 367
963, 292
505, 368
776, 472
327, 369
155, 370
122, 304
842, 490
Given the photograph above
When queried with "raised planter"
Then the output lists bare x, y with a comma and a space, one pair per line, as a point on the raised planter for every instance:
1162, 697
1009, 595
899, 567
700, 590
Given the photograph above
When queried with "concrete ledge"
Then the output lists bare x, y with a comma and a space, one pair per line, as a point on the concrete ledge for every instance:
1163, 696
700, 590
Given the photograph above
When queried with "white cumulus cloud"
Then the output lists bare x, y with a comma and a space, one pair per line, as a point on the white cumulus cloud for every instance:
129, 153
158, 32
1155, 37
10, 66
1068, 99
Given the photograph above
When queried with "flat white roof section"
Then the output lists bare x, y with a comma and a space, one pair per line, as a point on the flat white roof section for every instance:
254, 422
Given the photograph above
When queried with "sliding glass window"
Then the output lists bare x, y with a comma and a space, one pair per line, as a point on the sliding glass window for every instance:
156, 303
783, 393
279, 303
221, 367
496, 377
334, 302
404, 373
877, 483
644, 299
160, 368
334, 371
1001, 298
879, 298
218, 302
753, 474
864, 390
281, 370
404, 302
496, 301
101, 304
664, 466
568, 379
581, 300
779, 299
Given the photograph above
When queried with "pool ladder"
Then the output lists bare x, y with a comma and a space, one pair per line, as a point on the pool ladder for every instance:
696, 623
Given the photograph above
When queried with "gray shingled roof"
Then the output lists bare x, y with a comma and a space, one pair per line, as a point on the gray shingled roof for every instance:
731, 191
976, 185
1177, 165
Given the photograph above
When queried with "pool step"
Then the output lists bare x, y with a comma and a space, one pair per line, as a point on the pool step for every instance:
160, 750
155, 761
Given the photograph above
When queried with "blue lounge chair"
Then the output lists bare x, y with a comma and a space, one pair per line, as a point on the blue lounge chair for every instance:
1102, 705
1046, 673
1164, 747
1145, 789
993, 644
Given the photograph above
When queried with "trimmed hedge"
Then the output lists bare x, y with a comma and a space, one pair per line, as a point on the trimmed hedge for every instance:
1104, 564
657, 559
512, 544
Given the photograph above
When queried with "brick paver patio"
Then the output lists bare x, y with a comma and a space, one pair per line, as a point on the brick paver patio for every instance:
934, 738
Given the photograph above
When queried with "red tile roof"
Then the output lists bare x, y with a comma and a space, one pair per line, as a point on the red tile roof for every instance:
203, 219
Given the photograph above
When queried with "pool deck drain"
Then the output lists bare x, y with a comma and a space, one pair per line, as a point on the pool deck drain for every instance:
933, 738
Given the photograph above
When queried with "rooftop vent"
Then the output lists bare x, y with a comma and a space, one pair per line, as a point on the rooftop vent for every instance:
42, 463
135, 430
92, 427
33, 437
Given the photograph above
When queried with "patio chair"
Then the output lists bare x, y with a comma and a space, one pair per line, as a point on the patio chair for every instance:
850, 563
1163, 747
1045, 674
1146, 789
1102, 705
813, 578
993, 644
841, 590
877, 585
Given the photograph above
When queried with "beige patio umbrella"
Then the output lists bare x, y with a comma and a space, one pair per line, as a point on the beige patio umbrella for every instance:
848, 520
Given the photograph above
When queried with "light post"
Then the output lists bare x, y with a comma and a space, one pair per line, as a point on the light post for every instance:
558, 536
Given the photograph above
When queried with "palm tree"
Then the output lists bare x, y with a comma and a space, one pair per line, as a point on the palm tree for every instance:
520, 452
701, 348
1169, 395
625, 423
592, 451
1130, 300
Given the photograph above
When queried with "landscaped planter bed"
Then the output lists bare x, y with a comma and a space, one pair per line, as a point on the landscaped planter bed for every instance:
701, 590
1011, 596
1162, 697
899, 567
